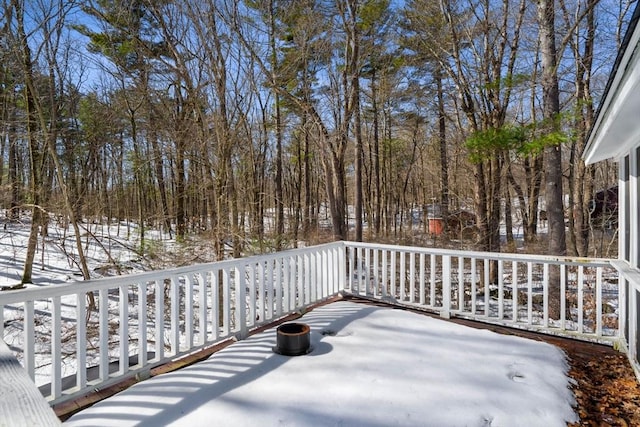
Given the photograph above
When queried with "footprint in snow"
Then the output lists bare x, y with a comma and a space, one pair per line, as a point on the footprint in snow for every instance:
516, 376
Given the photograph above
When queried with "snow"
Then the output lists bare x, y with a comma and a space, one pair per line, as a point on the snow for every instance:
370, 366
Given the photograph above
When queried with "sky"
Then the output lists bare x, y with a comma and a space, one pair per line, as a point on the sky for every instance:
369, 366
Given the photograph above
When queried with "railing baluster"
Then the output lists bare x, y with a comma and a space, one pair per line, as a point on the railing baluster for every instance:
500, 289
580, 299
327, 272
367, 273
530, 293
514, 291
81, 341
563, 296
174, 339
385, 275
188, 311
56, 348
333, 273
241, 301
292, 281
352, 268
342, 266
311, 266
253, 309
446, 286
124, 329
321, 268
330, 273
159, 285
412, 277
261, 293
310, 290
363, 275
403, 276
278, 285
227, 304
284, 282
432, 281
393, 283
377, 291
269, 283
29, 339
142, 325
316, 273
293, 268
460, 284
474, 286
202, 309
324, 263
103, 332
422, 279
487, 289
300, 280
216, 305
598, 292
545, 284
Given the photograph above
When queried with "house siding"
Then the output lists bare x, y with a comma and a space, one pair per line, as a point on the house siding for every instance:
629, 249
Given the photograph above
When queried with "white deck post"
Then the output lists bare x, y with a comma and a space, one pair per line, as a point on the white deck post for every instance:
446, 286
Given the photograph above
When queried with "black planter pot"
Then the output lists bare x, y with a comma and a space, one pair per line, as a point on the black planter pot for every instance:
293, 339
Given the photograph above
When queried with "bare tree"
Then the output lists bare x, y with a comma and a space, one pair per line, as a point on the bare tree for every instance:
553, 153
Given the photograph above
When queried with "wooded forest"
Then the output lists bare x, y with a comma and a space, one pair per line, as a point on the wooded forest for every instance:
271, 122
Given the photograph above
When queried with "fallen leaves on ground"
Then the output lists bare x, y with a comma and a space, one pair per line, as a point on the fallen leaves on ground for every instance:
606, 389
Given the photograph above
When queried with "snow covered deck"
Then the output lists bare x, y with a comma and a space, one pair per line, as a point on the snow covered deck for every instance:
143, 321
370, 366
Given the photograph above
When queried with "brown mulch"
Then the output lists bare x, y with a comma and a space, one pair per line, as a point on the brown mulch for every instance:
606, 390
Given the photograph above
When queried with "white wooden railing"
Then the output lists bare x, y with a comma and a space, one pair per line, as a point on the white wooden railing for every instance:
458, 283
145, 320
141, 321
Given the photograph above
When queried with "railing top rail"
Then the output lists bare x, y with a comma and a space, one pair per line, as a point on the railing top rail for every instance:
591, 262
630, 273
48, 291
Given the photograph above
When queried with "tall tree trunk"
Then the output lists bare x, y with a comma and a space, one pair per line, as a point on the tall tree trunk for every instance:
14, 209
355, 105
534, 173
158, 157
553, 153
581, 176
36, 156
279, 193
377, 204
309, 219
48, 124
444, 159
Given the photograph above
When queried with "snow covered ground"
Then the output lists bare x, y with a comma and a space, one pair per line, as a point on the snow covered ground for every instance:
370, 366
107, 248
